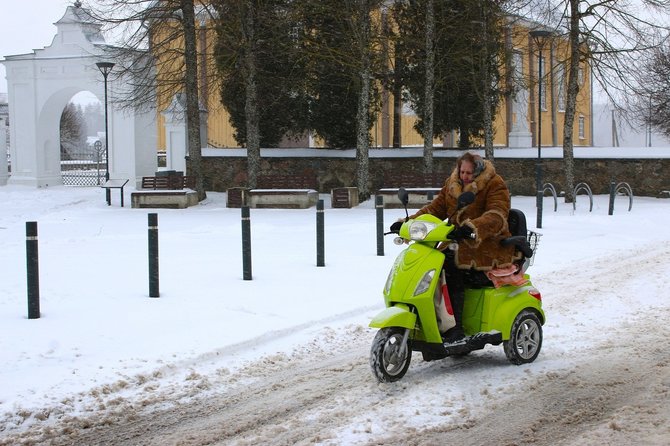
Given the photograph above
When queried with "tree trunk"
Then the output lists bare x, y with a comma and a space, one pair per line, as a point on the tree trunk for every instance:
463, 139
488, 115
397, 102
429, 88
571, 103
486, 91
192, 97
362, 122
251, 100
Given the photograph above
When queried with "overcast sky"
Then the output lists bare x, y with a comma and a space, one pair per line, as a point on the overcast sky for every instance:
26, 25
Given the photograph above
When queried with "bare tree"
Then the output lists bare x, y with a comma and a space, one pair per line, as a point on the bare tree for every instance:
652, 107
72, 131
192, 94
251, 104
364, 28
611, 37
429, 91
157, 57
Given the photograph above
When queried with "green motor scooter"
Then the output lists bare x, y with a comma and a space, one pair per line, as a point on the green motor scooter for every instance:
417, 311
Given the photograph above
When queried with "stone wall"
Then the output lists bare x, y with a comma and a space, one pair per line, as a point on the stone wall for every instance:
647, 177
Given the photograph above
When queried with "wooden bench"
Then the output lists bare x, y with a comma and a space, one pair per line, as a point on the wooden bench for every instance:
422, 188
170, 191
277, 191
173, 182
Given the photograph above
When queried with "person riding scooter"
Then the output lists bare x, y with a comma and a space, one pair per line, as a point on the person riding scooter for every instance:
480, 228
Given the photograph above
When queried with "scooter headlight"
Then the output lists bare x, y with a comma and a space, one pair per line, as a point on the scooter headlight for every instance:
419, 229
424, 283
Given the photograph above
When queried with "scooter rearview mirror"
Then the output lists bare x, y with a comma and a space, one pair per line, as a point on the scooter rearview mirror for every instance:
403, 196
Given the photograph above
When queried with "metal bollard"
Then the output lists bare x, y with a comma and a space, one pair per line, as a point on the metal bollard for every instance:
33, 272
379, 206
320, 236
153, 256
612, 194
246, 243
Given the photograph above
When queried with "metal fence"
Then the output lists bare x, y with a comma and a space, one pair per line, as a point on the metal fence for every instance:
85, 168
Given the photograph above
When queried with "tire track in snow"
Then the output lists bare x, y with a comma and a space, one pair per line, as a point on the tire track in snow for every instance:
612, 385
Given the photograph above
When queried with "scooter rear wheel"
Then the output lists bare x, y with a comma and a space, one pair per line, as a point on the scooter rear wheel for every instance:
525, 339
389, 358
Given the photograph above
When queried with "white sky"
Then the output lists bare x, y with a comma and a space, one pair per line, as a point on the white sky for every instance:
26, 25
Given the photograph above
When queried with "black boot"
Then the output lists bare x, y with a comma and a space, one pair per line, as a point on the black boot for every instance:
455, 335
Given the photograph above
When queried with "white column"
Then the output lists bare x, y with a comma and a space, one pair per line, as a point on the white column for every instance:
3, 153
519, 135
175, 133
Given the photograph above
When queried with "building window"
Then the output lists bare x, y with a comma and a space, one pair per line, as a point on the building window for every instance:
582, 122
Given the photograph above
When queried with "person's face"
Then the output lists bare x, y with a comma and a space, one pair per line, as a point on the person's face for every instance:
467, 172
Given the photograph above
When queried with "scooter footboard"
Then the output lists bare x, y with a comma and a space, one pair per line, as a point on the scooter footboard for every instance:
395, 316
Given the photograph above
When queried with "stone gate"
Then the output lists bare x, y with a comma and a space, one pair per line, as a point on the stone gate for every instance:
41, 83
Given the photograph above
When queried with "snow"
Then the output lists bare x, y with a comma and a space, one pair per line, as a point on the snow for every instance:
415, 152
100, 333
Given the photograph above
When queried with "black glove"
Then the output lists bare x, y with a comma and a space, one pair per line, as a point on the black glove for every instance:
461, 233
395, 227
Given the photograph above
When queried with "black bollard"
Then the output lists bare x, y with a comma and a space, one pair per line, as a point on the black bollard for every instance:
320, 252
612, 194
153, 256
32, 264
379, 206
246, 243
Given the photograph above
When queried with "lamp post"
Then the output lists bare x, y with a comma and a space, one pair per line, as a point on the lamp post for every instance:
539, 36
105, 68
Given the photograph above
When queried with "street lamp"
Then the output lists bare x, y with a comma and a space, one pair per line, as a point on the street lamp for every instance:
539, 36
106, 68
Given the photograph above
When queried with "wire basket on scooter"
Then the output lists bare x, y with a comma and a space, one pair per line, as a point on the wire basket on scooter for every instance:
533, 240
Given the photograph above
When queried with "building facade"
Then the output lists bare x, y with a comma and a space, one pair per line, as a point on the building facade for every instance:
515, 124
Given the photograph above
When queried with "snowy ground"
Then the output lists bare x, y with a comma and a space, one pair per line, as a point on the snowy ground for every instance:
282, 359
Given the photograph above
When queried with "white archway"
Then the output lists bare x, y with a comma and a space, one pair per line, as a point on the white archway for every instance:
41, 83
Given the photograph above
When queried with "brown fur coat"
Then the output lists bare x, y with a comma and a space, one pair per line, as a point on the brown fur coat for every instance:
486, 216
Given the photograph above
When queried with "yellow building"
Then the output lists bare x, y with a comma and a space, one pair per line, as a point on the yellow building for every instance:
515, 124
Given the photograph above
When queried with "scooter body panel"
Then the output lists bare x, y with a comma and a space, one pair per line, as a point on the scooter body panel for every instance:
395, 316
494, 309
405, 291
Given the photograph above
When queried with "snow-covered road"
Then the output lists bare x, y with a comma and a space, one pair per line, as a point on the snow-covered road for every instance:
602, 381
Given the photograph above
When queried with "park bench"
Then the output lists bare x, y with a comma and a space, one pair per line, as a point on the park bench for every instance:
422, 188
166, 191
172, 182
277, 191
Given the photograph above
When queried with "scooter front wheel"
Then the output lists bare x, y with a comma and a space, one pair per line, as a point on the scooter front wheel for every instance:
525, 339
390, 354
